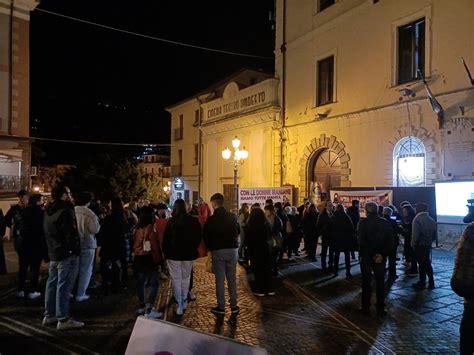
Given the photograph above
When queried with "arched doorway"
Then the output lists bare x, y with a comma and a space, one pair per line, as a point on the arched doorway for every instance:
325, 174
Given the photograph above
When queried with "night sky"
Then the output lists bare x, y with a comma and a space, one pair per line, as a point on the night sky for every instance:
89, 83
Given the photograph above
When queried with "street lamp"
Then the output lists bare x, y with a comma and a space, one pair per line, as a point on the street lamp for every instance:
238, 157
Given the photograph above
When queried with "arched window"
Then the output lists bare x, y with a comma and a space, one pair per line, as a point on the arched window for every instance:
409, 162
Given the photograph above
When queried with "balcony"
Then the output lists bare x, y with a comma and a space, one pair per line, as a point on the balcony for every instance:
178, 134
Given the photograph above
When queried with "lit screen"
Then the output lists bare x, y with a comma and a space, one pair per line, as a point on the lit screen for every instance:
451, 200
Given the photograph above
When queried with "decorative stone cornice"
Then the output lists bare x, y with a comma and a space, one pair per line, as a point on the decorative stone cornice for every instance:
264, 115
21, 8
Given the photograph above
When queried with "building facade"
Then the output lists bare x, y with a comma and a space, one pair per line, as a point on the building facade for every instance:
356, 112
244, 105
15, 148
157, 167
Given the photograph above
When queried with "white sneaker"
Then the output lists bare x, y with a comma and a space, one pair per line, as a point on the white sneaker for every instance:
185, 305
34, 295
20, 294
191, 296
49, 321
141, 311
82, 298
69, 324
154, 314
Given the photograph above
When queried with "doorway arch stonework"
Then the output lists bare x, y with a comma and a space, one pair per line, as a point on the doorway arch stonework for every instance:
310, 153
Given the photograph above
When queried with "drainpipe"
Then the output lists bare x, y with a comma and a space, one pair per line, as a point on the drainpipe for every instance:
10, 72
283, 97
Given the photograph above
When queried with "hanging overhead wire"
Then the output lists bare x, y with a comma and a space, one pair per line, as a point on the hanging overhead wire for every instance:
102, 143
153, 37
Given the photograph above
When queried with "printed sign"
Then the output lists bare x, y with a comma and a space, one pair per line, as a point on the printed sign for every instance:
150, 336
261, 194
381, 197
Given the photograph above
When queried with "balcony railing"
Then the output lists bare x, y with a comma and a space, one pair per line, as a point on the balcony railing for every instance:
178, 134
10, 183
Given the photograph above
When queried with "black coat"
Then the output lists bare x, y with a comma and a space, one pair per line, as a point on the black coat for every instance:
342, 232
258, 239
182, 238
112, 236
60, 229
323, 225
309, 224
32, 236
354, 215
375, 237
221, 230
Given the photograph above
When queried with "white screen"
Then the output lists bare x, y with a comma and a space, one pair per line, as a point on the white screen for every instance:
451, 200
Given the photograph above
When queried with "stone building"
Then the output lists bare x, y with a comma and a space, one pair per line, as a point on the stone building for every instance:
356, 112
15, 148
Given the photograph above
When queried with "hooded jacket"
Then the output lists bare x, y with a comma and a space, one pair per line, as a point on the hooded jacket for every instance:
60, 230
462, 281
88, 226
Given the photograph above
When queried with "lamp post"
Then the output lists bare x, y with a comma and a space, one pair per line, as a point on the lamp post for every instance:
237, 157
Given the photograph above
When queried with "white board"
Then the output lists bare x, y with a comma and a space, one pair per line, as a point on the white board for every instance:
150, 336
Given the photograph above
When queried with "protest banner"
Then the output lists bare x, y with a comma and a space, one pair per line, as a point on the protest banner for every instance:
261, 194
154, 336
381, 197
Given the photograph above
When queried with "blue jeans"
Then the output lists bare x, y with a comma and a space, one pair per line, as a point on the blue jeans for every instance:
141, 284
224, 264
86, 262
62, 275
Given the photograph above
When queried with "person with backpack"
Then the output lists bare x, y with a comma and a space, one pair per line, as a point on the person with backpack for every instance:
180, 247
148, 257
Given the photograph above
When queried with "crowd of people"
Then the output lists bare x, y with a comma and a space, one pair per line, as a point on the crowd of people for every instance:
154, 240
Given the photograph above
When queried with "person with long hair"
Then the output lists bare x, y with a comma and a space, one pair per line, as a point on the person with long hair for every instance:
277, 239
258, 233
310, 231
147, 259
180, 246
112, 240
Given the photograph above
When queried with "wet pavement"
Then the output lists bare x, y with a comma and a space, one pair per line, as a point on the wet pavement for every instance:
311, 313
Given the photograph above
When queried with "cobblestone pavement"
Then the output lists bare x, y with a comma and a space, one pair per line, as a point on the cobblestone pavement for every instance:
311, 313
317, 313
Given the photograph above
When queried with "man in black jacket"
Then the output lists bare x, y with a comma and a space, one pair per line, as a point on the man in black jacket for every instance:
14, 221
375, 241
220, 236
62, 239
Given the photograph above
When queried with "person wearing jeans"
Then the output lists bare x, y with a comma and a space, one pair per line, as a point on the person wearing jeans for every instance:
62, 275
62, 238
220, 236
88, 226
180, 246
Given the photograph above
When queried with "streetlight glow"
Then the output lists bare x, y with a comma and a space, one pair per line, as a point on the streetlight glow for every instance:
236, 142
226, 153
238, 157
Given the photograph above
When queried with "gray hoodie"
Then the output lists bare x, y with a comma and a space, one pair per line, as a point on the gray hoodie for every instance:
424, 230
88, 226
